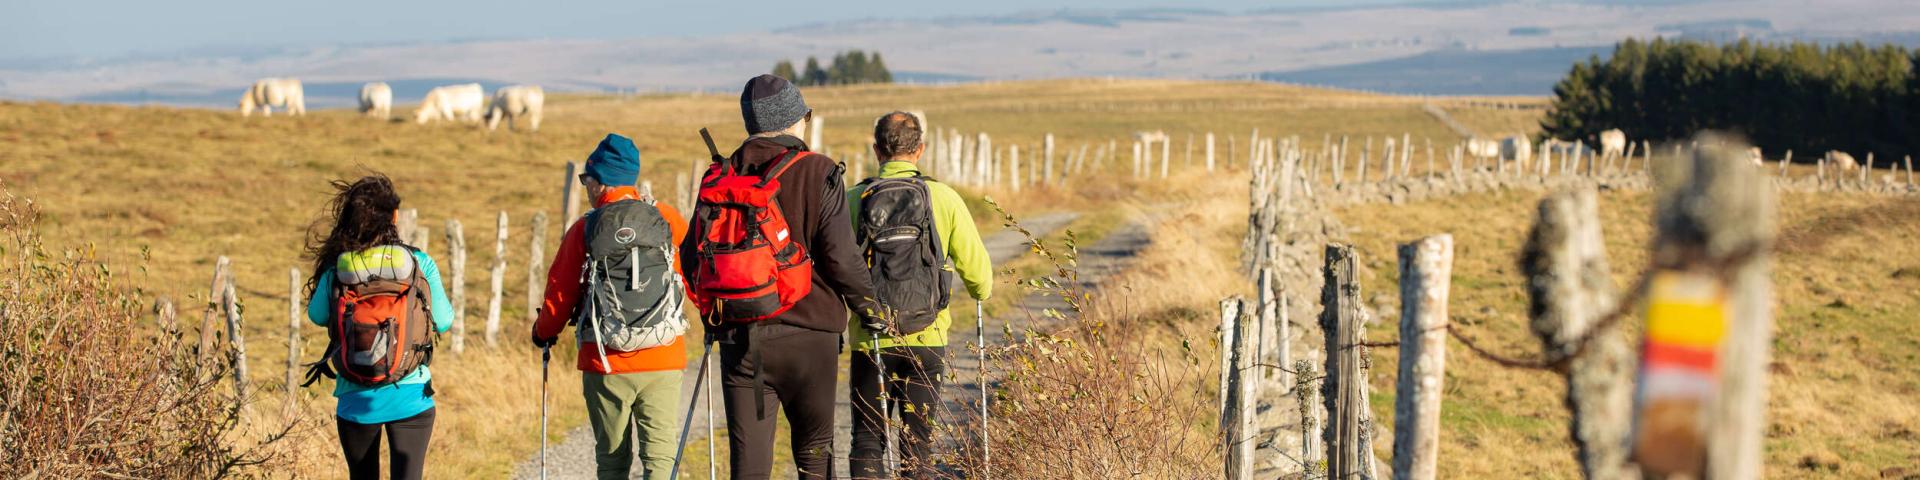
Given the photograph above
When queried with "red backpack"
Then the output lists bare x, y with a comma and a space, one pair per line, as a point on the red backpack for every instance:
748, 267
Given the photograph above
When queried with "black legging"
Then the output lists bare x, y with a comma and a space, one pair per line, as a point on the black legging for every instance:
913, 375
406, 437
771, 369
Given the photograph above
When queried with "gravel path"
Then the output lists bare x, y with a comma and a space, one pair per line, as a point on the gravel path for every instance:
572, 457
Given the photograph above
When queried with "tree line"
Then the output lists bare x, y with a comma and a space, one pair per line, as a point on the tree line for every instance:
1797, 96
848, 68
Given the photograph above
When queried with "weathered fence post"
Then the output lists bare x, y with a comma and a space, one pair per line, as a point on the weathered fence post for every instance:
498, 281
1209, 151
1136, 158
1348, 436
167, 317
1711, 291
1366, 155
405, 222
1013, 167
1229, 317
236, 341
536, 258
1566, 266
1236, 419
293, 332
1425, 267
1047, 152
570, 192
815, 131
213, 307
457, 253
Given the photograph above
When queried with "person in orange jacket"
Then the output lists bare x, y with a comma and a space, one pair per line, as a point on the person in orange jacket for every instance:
639, 387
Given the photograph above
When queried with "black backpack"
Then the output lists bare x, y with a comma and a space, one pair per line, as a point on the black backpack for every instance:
631, 298
910, 274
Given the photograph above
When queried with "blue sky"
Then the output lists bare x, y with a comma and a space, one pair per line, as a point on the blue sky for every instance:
71, 29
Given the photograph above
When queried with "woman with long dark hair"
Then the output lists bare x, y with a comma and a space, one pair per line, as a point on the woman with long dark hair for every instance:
361, 266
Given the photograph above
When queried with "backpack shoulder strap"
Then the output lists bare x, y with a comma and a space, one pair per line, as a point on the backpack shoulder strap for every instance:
780, 166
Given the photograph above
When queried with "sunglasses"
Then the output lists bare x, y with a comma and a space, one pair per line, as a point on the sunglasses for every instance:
584, 178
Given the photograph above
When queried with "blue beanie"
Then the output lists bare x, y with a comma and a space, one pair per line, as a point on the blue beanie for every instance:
615, 162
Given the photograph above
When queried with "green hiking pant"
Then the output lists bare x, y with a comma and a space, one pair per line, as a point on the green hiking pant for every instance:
646, 401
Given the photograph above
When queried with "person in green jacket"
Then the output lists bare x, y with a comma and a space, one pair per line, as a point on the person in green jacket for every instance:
913, 361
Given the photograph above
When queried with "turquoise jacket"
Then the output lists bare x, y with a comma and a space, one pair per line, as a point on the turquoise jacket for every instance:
958, 238
372, 405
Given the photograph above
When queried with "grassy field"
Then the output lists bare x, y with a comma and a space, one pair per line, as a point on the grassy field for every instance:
1846, 284
190, 185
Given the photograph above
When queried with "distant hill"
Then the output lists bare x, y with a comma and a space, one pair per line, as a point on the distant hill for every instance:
1464, 47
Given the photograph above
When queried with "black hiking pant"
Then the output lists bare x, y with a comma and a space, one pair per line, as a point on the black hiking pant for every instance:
407, 438
768, 369
913, 378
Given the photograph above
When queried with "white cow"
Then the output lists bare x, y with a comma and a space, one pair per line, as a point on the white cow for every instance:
267, 93
1482, 148
516, 101
1517, 149
462, 103
1842, 161
376, 100
1613, 143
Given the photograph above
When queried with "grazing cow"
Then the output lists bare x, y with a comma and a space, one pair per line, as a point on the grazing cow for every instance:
452, 103
516, 101
267, 93
376, 100
1483, 148
1842, 161
1613, 143
1517, 149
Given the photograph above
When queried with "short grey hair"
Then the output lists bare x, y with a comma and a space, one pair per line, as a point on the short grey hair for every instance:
896, 134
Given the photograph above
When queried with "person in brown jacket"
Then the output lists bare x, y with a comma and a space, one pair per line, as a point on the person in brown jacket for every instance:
790, 362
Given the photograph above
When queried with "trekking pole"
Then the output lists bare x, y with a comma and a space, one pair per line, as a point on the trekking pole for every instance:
886, 410
980, 328
691, 403
713, 468
546, 357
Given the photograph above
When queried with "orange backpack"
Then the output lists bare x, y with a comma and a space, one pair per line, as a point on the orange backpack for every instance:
748, 266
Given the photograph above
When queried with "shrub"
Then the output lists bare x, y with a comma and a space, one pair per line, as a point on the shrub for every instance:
88, 392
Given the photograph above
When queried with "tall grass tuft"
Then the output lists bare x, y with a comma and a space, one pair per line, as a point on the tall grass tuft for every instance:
1093, 393
86, 392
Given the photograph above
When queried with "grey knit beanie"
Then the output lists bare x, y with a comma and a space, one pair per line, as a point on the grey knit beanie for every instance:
770, 103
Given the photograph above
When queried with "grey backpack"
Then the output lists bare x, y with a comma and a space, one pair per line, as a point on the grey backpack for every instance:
631, 298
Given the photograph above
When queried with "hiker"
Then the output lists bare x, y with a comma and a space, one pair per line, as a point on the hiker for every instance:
920, 237
615, 280
382, 303
776, 278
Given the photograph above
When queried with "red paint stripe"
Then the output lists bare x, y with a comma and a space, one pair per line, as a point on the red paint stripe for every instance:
1668, 355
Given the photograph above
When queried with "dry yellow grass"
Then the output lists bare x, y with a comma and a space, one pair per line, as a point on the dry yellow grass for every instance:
1843, 381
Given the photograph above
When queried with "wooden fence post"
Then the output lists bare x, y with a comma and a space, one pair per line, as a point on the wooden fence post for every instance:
1566, 267
167, 317
536, 258
1013, 167
1425, 268
457, 255
236, 341
1710, 290
570, 193
1047, 151
1348, 436
293, 332
1366, 155
1236, 419
213, 307
1136, 158
815, 131
405, 222
499, 279
1229, 316
1209, 151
